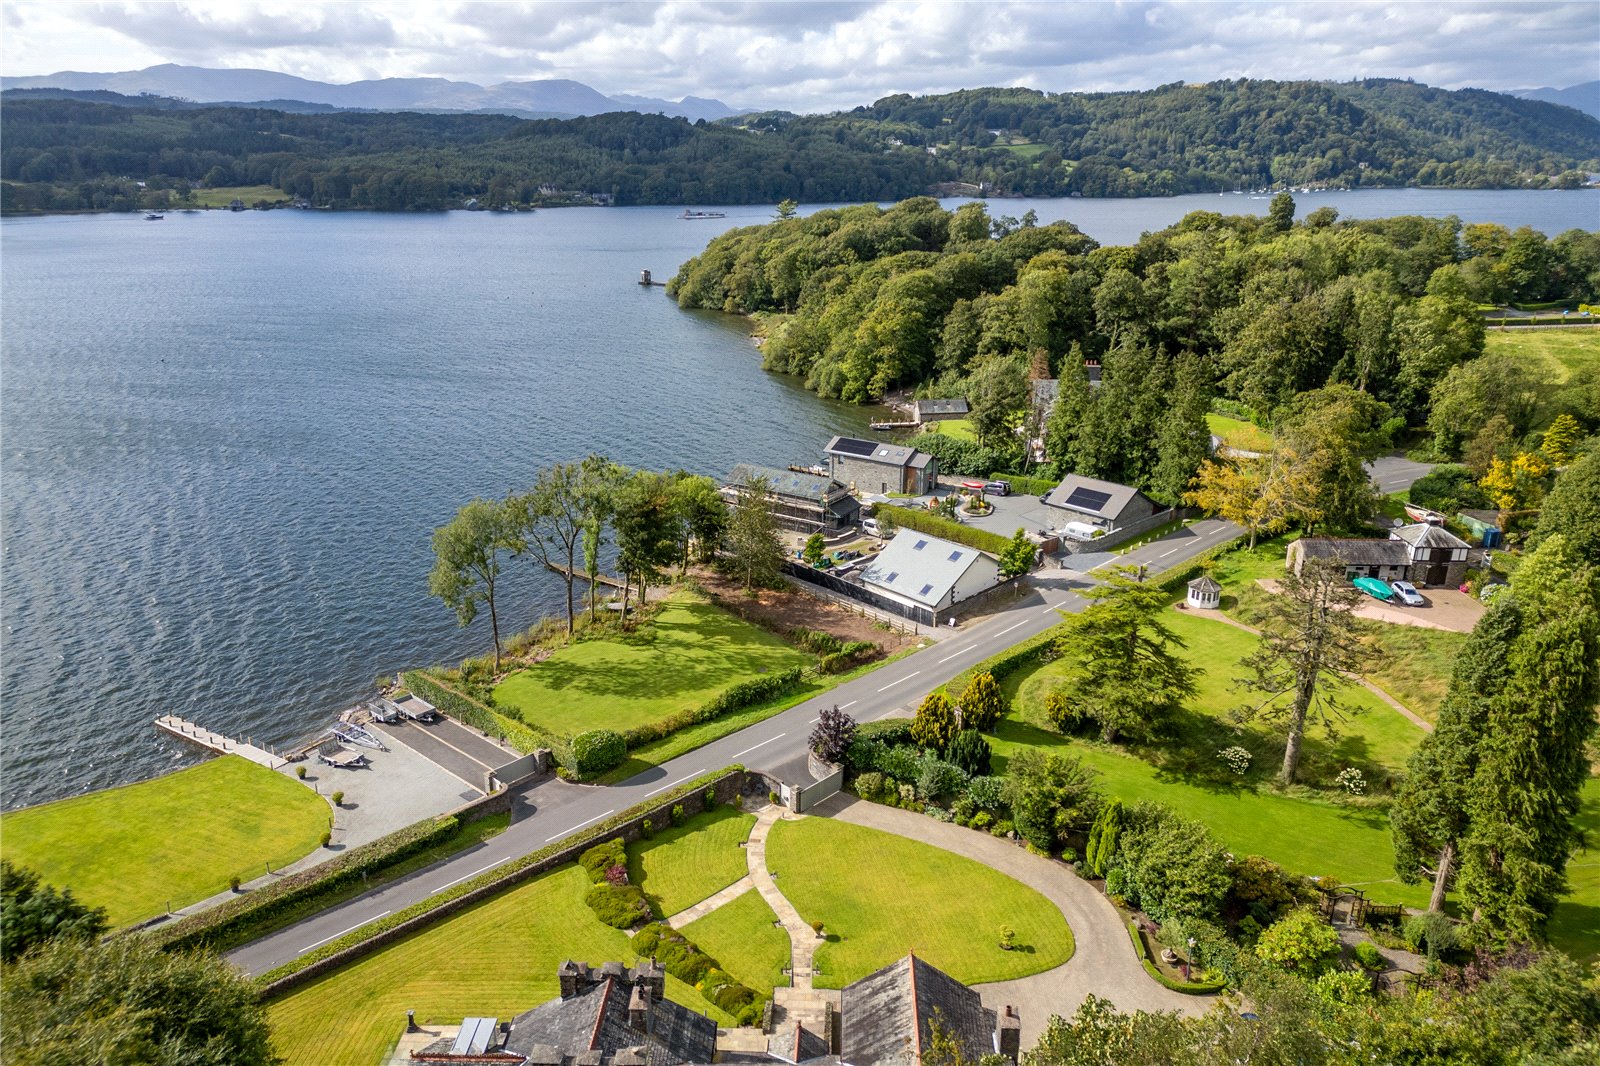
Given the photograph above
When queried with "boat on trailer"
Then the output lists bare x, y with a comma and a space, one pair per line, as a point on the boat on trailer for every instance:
358, 734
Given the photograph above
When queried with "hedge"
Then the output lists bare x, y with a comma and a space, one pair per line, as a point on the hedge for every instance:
619, 906
1008, 661
1180, 575
925, 521
486, 884
255, 914
683, 959
733, 698
484, 718
597, 751
1026, 486
1188, 988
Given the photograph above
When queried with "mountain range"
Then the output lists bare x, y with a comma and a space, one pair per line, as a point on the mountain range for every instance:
547, 98
1585, 97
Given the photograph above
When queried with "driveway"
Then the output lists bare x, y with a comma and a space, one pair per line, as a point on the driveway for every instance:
1103, 961
1448, 609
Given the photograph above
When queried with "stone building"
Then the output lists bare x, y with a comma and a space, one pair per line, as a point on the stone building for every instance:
801, 503
1423, 554
869, 466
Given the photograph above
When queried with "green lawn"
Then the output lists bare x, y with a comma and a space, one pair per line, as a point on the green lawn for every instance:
880, 896
1553, 355
175, 838
495, 960
959, 428
743, 936
1026, 151
1575, 926
223, 196
690, 652
687, 863
1236, 433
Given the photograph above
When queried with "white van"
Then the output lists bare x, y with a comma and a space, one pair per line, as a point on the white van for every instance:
869, 526
1080, 531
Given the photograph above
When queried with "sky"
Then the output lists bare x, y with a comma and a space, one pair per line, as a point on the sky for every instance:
820, 56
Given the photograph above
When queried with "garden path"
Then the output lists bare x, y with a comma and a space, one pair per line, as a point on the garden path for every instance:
1103, 962
711, 903
801, 1004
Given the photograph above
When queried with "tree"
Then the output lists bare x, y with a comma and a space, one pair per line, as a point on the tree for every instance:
1517, 485
1183, 438
970, 752
467, 562
1300, 942
702, 516
32, 913
1429, 815
1573, 509
1233, 490
1448, 488
127, 1001
983, 703
1309, 648
1127, 671
1019, 556
1525, 793
1558, 441
1326, 432
787, 209
1174, 866
935, 724
1280, 214
834, 733
1067, 421
754, 551
1050, 796
814, 549
1103, 837
997, 395
647, 530
548, 521
598, 498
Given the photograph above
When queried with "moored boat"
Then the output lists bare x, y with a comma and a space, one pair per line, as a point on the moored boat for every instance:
689, 214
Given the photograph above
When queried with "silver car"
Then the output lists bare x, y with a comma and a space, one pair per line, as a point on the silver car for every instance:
1407, 593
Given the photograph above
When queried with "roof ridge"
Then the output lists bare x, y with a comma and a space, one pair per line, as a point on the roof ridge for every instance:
916, 1005
600, 1015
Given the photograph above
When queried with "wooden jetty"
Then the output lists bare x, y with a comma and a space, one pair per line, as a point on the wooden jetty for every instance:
885, 426
612, 582
222, 745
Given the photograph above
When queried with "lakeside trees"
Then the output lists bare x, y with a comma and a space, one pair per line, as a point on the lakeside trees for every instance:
466, 571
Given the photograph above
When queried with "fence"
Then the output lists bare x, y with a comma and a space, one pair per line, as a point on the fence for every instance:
810, 575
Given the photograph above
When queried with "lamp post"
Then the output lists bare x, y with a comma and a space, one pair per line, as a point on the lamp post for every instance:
1187, 959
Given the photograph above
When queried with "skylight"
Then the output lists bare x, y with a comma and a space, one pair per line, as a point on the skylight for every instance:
919, 545
955, 557
893, 574
925, 590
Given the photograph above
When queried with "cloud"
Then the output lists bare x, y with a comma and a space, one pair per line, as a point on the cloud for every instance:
821, 56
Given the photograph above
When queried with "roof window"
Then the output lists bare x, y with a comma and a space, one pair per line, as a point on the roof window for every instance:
893, 574
919, 545
925, 590
955, 557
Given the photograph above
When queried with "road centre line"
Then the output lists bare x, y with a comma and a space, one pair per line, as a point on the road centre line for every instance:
580, 825
1003, 632
892, 684
847, 706
953, 654
458, 880
763, 744
663, 788
341, 933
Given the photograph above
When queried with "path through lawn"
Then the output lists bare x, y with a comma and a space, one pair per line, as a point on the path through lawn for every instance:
688, 863
691, 652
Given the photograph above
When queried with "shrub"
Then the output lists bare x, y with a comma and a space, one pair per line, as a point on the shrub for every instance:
982, 820
982, 703
680, 957
647, 829
869, 785
1430, 932
1103, 836
338, 799
1003, 828
677, 814
902, 763
617, 875
1175, 867
935, 724
300, 772
460, 706
970, 752
233, 882
815, 641
619, 906
928, 522
1344, 988
835, 731
1299, 942
1117, 884
891, 732
1351, 781
1066, 716
987, 793
1266, 889
1026, 486
1008, 938
327, 838
710, 799
597, 751
1368, 956
1236, 759
602, 857
816, 927
937, 778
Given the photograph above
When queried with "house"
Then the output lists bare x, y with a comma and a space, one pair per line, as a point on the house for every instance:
803, 503
1104, 505
605, 1016
887, 1018
868, 466
1423, 554
921, 570
236, 204
923, 411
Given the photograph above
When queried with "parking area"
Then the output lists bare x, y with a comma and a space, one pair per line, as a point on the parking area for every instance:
395, 788
458, 749
1443, 608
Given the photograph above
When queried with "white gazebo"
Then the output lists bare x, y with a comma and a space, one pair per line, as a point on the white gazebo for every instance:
1204, 593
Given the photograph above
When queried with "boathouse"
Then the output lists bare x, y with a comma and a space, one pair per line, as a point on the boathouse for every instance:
867, 466
801, 503
923, 411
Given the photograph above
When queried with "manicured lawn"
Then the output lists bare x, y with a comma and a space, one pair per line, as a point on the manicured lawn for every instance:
1575, 926
689, 653
175, 838
959, 428
687, 863
223, 196
1236, 433
880, 896
742, 937
496, 960
1552, 355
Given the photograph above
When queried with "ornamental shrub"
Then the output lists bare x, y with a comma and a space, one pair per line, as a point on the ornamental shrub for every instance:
982, 703
597, 751
987, 793
1430, 932
1103, 836
1368, 955
869, 786
617, 875
1351, 780
935, 724
1176, 868
619, 906
970, 752
600, 858
936, 778
1236, 759
1300, 942
902, 763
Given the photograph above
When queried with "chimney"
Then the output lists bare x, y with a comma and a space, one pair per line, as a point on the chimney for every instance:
639, 1009
567, 975
1009, 1034
654, 977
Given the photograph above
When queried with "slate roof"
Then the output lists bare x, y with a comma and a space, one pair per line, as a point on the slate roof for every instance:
1205, 583
920, 566
1091, 496
868, 451
787, 482
939, 407
887, 1017
1356, 552
1426, 535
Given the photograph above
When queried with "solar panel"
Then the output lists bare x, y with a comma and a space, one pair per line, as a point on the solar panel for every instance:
1088, 499
474, 1037
851, 446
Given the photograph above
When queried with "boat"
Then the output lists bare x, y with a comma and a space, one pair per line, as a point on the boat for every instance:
1378, 590
153, 217
1418, 513
688, 214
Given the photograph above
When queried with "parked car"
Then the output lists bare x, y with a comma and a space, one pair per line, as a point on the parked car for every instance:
997, 488
869, 526
1407, 593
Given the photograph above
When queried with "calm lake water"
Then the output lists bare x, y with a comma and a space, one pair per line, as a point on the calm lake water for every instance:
226, 438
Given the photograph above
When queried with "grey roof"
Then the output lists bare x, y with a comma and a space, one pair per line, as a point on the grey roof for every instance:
920, 460
868, 451
1091, 496
1356, 552
940, 407
920, 566
1205, 583
787, 482
1427, 535
887, 1017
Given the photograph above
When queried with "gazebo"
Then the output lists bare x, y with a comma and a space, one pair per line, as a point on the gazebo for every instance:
1205, 593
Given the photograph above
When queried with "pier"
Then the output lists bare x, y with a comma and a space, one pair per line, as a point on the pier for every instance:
222, 745
611, 582
885, 426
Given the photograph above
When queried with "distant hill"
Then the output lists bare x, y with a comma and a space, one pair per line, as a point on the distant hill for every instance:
1585, 97
556, 98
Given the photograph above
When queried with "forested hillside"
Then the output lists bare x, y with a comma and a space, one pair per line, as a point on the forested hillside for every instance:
87, 154
1259, 311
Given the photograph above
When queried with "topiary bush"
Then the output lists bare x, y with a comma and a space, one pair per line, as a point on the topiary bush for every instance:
597, 751
619, 906
600, 858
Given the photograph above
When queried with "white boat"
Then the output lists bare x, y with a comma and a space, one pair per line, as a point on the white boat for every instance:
688, 214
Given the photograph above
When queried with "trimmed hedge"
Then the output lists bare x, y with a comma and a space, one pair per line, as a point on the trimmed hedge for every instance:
1026, 486
1188, 988
924, 521
483, 886
733, 698
619, 906
484, 718
245, 918
597, 751
683, 959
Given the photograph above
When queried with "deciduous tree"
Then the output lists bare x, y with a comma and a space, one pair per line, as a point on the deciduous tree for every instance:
467, 552
754, 551
833, 734
1019, 556
32, 913
1572, 509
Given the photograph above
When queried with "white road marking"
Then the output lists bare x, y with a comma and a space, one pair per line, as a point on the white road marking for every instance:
815, 720
952, 655
847, 706
1003, 632
341, 933
763, 744
1052, 607
892, 684
663, 788
1163, 555
580, 825
458, 880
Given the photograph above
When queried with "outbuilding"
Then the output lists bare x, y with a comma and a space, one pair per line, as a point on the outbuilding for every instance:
921, 570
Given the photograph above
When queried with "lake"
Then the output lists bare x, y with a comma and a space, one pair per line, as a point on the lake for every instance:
225, 439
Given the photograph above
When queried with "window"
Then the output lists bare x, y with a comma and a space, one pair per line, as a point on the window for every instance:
893, 574
955, 557
920, 545
925, 590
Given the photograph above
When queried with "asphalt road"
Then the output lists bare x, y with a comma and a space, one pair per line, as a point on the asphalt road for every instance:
553, 809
